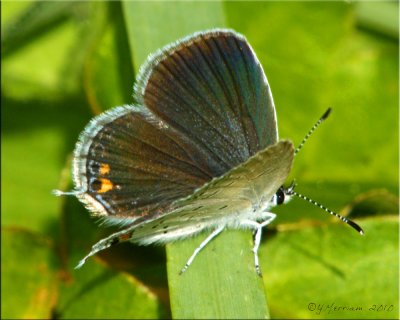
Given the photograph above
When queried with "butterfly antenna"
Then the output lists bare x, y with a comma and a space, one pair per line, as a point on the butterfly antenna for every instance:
349, 222
315, 126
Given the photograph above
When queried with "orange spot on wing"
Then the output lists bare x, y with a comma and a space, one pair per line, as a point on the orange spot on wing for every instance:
104, 168
106, 185
125, 237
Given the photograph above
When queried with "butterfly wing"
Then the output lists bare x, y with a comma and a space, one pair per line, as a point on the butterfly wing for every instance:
128, 163
242, 193
205, 108
212, 88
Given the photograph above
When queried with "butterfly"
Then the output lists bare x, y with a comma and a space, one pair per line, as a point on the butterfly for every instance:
198, 151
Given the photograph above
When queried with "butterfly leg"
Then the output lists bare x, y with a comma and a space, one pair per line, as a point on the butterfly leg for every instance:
201, 246
267, 217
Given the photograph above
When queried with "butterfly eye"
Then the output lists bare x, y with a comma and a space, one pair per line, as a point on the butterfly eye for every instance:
280, 196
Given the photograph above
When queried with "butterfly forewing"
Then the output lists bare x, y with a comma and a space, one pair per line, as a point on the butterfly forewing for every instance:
212, 88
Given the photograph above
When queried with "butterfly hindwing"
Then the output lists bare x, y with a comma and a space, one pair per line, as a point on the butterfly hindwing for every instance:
242, 193
130, 164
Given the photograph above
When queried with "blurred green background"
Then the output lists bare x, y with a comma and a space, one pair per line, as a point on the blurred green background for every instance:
64, 62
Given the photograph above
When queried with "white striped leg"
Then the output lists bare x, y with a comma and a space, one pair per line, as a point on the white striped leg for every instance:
201, 246
269, 216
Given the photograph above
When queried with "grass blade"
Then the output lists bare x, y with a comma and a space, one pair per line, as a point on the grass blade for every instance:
222, 282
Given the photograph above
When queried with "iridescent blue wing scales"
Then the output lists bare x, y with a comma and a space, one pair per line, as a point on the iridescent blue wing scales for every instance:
212, 88
204, 107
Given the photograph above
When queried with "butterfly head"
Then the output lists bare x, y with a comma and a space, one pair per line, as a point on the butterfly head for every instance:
283, 195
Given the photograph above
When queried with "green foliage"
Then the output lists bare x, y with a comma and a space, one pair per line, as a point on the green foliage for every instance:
63, 62
28, 278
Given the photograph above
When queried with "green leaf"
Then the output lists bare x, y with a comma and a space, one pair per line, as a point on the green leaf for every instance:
111, 285
382, 17
374, 202
108, 74
222, 283
52, 39
36, 112
99, 292
29, 19
28, 284
313, 269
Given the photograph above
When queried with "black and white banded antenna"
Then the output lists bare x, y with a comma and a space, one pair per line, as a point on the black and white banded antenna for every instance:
315, 126
290, 191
